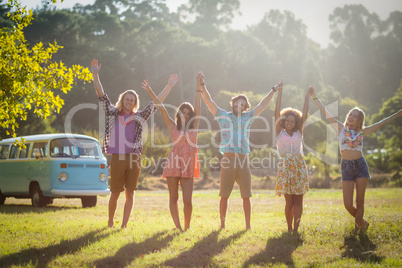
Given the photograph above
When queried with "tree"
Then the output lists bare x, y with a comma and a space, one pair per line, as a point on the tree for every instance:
365, 60
28, 76
389, 136
210, 16
294, 57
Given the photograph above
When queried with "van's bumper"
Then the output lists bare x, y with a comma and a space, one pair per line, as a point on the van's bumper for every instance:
79, 192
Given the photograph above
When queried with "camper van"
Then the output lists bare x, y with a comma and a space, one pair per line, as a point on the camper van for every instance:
52, 166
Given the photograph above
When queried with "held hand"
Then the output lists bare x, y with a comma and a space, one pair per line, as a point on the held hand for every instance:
279, 85
173, 80
200, 78
146, 86
311, 91
95, 67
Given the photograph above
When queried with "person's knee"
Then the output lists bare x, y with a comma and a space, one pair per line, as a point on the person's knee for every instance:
129, 194
348, 205
173, 197
298, 202
359, 203
114, 196
187, 202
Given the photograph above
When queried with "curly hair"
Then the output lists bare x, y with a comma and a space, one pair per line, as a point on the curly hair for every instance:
119, 103
360, 118
293, 112
243, 97
180, 111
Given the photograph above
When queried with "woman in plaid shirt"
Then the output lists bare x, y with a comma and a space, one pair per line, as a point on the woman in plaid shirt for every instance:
123, 140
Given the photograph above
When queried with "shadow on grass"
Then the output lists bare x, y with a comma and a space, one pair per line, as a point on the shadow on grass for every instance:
360, 248
278, 251
127, 254
43, 256
19, 209
201, 254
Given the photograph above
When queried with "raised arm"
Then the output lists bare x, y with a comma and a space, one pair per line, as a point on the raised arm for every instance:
278, 111
166, 118
213, 108
197, 108
267, 99
171, 82
305, 109
98, 86
335, 123
374, 127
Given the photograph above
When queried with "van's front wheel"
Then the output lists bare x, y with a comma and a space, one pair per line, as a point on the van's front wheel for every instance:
38, 200
89, 201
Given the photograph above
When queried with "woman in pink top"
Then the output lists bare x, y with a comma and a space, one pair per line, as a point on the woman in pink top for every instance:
353, 167
292, 179
182, 166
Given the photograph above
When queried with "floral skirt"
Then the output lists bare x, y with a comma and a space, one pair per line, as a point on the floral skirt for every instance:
292, 176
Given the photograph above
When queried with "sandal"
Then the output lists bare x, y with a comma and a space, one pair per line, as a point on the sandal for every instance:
365, 226
362, 228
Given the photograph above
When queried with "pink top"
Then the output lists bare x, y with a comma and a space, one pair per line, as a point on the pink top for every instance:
287, 144
183, 161
122, 135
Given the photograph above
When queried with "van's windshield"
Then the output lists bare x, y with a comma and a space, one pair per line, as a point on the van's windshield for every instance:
72, 147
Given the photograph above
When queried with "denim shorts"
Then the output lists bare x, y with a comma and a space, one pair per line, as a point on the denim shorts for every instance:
354, 169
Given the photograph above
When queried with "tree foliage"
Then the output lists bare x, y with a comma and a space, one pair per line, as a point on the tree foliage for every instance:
29, 77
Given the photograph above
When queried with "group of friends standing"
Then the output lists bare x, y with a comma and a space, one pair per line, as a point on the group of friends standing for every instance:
123, 140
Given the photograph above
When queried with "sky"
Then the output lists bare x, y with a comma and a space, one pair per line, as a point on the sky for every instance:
313, 13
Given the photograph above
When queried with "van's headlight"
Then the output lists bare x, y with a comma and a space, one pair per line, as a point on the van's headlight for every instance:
63, 176
102, 177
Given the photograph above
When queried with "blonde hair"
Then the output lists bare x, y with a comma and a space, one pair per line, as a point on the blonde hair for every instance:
291, 112
119, 103
360, 118
243, 97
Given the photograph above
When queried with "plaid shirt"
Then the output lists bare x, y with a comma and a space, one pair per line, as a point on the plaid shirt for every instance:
139, 118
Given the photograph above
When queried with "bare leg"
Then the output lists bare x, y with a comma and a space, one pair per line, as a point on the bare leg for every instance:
128, 207
173, 186
298, 210
289, 211
223, 207
112, 207
361, 184
247, 211
348, 189
187, 190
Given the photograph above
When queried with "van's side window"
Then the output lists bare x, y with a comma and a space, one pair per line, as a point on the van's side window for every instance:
24, 151
39, 148
4, 149
13, 152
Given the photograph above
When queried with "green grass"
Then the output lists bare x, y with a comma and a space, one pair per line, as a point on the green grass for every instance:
66, 235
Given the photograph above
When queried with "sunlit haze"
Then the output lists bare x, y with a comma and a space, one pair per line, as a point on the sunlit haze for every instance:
313, 13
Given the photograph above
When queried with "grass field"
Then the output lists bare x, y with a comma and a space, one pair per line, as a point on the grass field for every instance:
66, 235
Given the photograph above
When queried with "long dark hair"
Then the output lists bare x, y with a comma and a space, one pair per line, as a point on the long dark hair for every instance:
179, 111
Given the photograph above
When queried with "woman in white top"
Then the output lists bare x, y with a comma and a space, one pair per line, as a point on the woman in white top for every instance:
353, 166
292, 179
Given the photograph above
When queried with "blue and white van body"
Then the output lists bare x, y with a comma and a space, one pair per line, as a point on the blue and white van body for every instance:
53, 166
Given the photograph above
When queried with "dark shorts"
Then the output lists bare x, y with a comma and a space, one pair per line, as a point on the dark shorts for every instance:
354, 169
